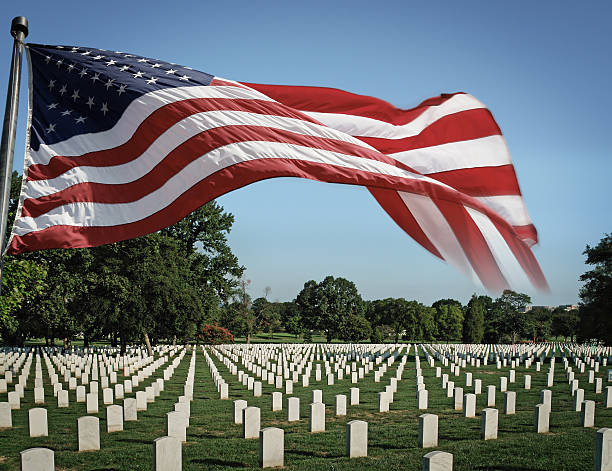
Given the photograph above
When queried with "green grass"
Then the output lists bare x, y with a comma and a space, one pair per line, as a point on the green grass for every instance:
215, 443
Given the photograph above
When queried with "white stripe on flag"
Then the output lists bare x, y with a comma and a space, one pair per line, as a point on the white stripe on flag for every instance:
438, 231
509, 207
506, 261
488, 151
368, 127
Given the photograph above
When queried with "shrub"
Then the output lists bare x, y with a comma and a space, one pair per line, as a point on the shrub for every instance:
214, 334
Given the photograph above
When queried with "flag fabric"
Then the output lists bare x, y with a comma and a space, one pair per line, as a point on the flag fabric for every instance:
120, 145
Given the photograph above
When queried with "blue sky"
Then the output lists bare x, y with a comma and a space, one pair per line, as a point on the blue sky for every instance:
543, 68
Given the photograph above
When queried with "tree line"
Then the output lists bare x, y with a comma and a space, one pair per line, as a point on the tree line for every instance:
335, 309
177, 283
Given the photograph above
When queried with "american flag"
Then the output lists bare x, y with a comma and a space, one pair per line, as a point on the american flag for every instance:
121, 145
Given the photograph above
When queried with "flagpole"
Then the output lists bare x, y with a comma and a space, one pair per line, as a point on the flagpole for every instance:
19, 31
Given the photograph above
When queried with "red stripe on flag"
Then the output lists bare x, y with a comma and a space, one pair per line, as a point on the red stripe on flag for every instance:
461, 126
333, 100
183, 155
223, 181
481, 181
474, 245
394, 206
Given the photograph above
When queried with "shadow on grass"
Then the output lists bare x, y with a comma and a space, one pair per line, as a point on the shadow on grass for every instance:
135, 440
217, 462
508, 468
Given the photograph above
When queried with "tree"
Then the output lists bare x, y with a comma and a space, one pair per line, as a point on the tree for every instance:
596, 293
565, 323
325, 305
267, 315
539, 323
512, 320
355, 328
22, 281
291, 319
449, 321
473, 321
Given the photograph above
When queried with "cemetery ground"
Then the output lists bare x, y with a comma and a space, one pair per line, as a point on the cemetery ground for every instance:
215, 442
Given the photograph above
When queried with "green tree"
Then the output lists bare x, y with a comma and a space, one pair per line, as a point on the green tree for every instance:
449, 321
565, 323
324, 305
474, 320
22, 281
291, 319
355, 328
512, 319
596, 293
539, 324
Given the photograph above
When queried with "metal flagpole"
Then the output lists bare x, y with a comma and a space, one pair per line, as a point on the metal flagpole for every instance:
19, 31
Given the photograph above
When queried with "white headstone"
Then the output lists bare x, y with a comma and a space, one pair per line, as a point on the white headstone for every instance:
39, 395
62, 399
37, 422
14, 400
293, 409
251, 420
92, 403
458, 396
428, 430
176, 425
587, 416
578, 399
271, 447
357, 439
438, 461
383, 402
277, 401
603, 450
141, 400
488, 425
168, 454
107, 396
541, 418
422, 399
89, 433
130, 411
37, 459
239, 404
510, 403
316, 421
114, 418
354, 396
340, 405
80, 393
490, 396
469, 405
6, 416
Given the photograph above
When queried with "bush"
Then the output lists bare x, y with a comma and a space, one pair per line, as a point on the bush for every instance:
214, 334
377, 336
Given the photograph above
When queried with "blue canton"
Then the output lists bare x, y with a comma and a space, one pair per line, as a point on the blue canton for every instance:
78, 90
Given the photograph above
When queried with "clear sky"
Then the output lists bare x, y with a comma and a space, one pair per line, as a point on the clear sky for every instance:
544, 69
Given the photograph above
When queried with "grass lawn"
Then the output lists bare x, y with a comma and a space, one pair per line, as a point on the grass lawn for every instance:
214, 441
